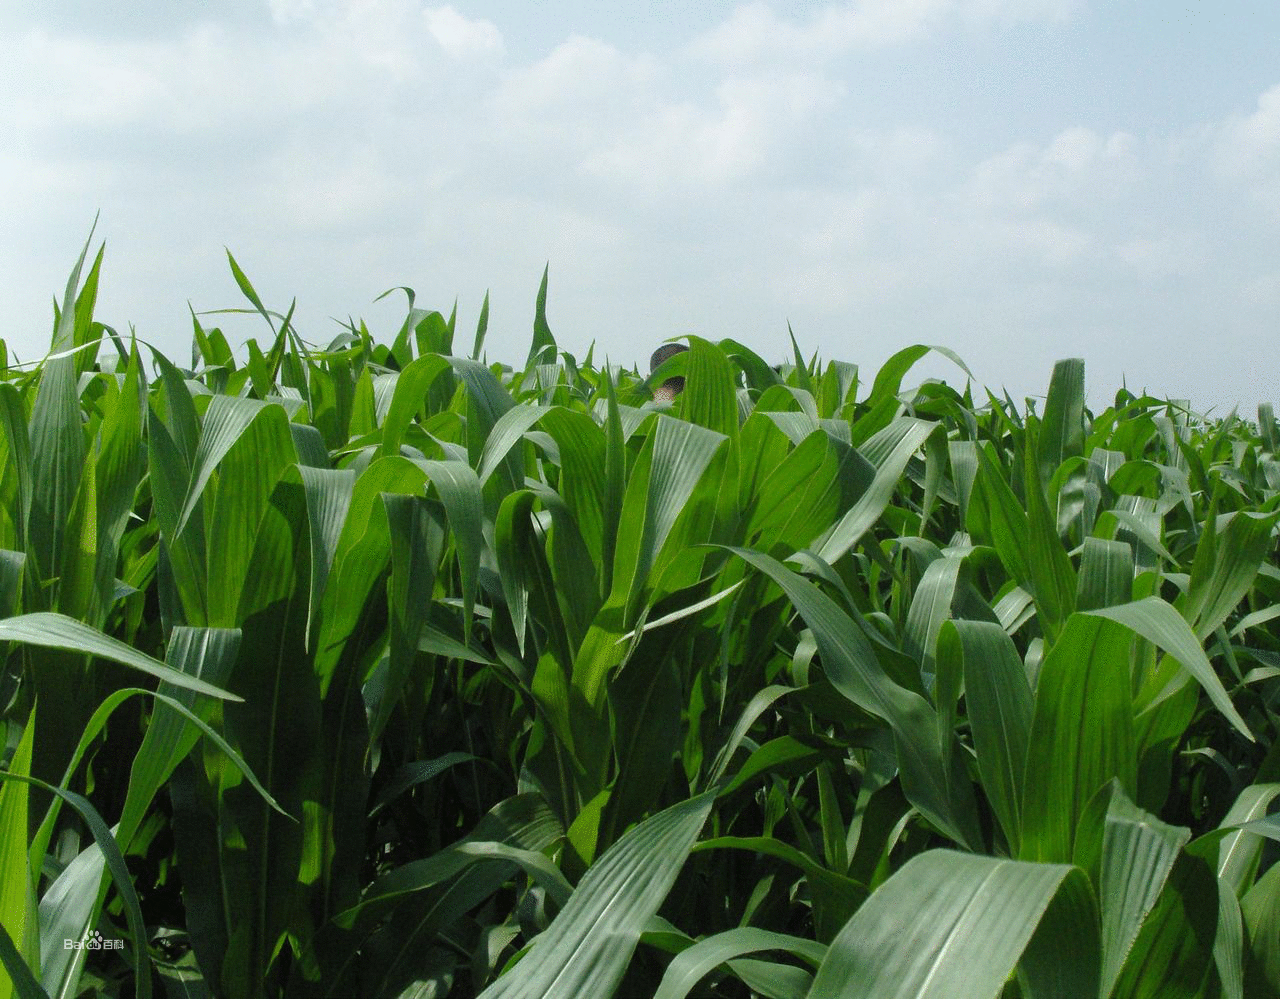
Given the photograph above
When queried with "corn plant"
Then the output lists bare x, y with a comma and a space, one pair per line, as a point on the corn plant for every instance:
374, 668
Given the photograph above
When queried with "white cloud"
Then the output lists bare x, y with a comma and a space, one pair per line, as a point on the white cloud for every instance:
1011, 11
1077, 161
462, 37
198, 84
580, 74
1264, 290
723, 187
755, 128
1160, 257
755, 33
1247, 149
286, 11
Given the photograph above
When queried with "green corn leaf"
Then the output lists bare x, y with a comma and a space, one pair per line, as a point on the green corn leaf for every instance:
17, 889
11, 567
1225, 567
759, 374
931, 605
1052, 576
951, 924
587, 947
760, 702
1173, 953
800, 496
1228, 947
120, 466
889, 451
1082, 734
930, 776
691, 965
487, 401
1138, 855
522, 566
416, 540
613, 487
57, 462
1261, 911
460, 492
248, 473
186, 554
1000, 707
888, 381
78, 595
56, 631
836, 896
1062, 427
328, 493
665, 480
13, 424
247, 289
646, 698
544, 343
419, 899
207, 654
1240, 850
225, 421
57, 921
1106, 574
1159, 623
411, 388
362, 555
158, 756
482, 327
22, 982
710, 399
507, 433
266, 859
997, 518
64, 335
418, 772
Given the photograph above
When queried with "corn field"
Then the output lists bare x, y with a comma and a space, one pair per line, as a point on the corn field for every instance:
377, 669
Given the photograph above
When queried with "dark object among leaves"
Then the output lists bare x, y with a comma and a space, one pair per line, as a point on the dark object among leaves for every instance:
672, 387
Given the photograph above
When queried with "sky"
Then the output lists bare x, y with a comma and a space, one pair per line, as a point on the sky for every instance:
1016, 180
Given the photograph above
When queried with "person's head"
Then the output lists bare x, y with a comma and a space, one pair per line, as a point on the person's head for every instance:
672, 387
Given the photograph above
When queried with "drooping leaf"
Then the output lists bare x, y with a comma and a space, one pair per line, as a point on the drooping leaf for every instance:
586, 948
951, 924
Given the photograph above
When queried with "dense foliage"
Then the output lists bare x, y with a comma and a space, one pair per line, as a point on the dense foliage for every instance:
394, 672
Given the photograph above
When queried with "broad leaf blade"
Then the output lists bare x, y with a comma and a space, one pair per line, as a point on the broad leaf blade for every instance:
586, 949
953, 925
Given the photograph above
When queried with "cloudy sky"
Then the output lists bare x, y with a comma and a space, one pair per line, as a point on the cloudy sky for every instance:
1019, 180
